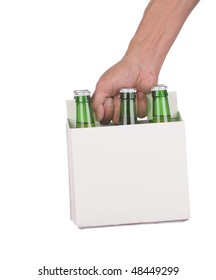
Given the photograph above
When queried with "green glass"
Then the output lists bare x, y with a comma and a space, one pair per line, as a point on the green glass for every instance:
128, 106
161, 110
84, 113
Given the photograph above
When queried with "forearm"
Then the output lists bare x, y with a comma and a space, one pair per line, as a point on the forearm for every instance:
158, 29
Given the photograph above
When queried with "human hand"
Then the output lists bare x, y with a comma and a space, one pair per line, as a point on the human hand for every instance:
126, 73
143, 60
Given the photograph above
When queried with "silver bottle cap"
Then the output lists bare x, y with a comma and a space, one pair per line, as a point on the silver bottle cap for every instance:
159, 87
128, 90
81, 92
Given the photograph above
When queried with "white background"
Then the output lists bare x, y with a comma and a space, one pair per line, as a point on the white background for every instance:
48, 49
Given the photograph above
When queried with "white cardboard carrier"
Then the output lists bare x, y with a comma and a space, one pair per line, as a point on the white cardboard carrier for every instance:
128, 174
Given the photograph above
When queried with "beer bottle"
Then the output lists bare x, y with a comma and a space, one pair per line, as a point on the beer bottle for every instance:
161, 110
128, 106
84, 114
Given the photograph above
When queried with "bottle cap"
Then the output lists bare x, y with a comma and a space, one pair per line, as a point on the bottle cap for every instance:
159, 87
81, 92
128, 90
159, 91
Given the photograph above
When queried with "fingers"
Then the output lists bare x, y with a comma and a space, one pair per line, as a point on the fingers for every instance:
98, 101
117, 104
112, 108
101, 99
108, 111
141, 105
108, 108
106, 101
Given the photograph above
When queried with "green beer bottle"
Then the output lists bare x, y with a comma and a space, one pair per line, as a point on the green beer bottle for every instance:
128, 106
84, 114
161, 110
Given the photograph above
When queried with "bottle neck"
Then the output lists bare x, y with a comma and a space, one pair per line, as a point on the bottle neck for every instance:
161, 110
82, 99
128, 109
84, 114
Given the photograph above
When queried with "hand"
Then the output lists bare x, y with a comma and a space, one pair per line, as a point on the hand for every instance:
126, 73
143, 60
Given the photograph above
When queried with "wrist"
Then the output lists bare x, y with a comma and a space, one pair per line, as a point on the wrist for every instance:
157, 31
146, 56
